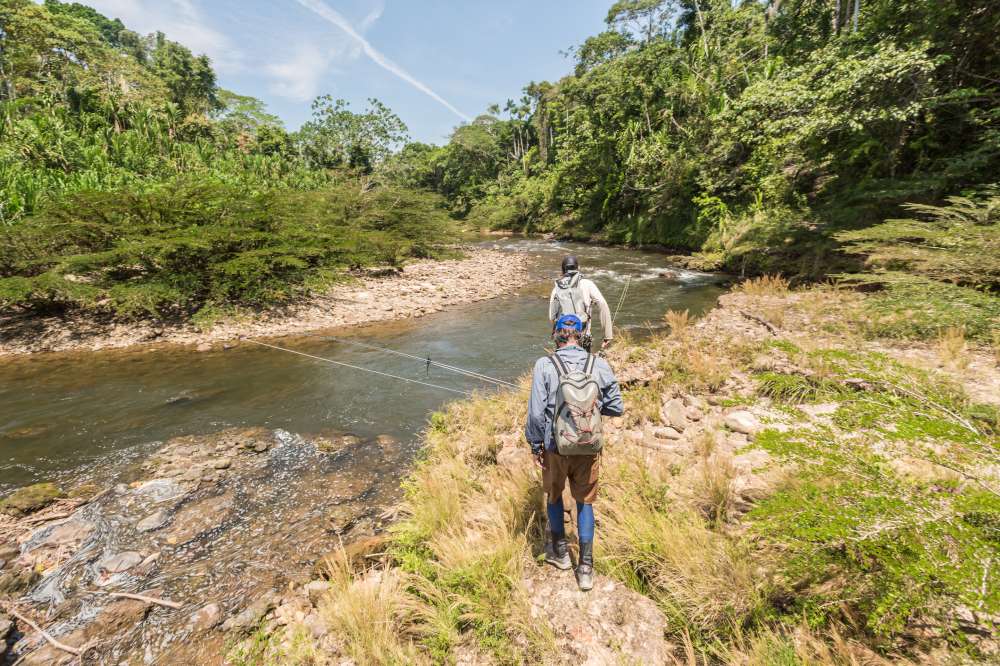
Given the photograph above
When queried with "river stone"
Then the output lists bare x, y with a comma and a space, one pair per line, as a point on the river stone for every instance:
65, 534
675, 414
315, 589
153, 521
222, 463
206, 617
198, 517
386, 440
26, 500
666, 432
250, 616
159, 490
118, 563
5, 626
204, 347
743, 422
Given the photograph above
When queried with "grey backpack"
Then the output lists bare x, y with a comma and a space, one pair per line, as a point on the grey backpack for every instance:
577, 421
570, 297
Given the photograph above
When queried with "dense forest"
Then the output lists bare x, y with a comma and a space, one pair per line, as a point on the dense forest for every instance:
854, 138
808, 137
132, 184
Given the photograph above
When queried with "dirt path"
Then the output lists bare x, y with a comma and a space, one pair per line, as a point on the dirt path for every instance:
420, 289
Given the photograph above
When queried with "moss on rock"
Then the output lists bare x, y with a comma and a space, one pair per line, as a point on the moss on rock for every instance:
30, 499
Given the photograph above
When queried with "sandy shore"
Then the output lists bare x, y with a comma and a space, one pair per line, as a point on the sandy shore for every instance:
420, 289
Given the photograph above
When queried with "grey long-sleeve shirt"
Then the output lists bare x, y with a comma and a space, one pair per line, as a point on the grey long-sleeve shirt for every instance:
545, 380
591, 296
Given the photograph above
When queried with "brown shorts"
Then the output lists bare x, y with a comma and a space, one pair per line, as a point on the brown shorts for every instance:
582, 472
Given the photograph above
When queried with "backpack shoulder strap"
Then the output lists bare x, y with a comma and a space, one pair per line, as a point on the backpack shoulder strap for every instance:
588, 368
561, 370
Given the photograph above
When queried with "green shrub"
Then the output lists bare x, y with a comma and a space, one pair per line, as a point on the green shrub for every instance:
190, 246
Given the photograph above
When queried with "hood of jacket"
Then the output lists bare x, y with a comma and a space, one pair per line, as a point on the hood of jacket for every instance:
569, 280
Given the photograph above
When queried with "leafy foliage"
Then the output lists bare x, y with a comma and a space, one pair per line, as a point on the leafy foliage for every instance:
192, 245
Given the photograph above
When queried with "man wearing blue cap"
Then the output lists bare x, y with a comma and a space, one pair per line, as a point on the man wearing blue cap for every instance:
570, 391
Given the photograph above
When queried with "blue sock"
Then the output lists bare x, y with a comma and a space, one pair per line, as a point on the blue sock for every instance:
585, 522
556, 517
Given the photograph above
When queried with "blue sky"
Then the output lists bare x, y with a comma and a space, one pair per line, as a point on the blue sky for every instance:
428, 60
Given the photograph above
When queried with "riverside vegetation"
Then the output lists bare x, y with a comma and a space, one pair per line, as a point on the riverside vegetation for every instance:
805, 476
133, 187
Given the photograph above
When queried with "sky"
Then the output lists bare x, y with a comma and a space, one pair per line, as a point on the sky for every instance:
436, 63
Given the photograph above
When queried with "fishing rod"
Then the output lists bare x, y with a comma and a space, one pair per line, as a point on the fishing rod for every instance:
358, 367
453, 368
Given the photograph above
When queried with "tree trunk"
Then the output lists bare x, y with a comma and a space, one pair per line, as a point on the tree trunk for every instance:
857, 12
836, 17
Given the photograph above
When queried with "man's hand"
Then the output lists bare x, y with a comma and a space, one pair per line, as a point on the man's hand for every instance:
540, 458
606, 343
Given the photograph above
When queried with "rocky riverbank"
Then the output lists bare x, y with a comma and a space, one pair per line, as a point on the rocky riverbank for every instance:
773, 465
418, 289
196, 541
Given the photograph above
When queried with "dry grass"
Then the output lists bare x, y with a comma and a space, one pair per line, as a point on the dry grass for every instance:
713, 491
953, 349
699, 577
373, 614
678, 322
766, 285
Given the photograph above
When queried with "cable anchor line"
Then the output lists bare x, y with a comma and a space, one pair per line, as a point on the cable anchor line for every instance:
427, 361
361, 368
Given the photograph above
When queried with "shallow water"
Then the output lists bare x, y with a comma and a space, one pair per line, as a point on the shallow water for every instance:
73, 416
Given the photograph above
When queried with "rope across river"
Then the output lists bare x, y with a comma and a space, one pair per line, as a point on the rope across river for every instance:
467, 373
427, 360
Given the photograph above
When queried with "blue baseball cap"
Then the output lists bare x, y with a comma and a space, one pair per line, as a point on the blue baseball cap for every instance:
569, 321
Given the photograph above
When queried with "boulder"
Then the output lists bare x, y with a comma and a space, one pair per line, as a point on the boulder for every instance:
204, 347
675, 414
26, 500
743, 422
205, 617
6, 625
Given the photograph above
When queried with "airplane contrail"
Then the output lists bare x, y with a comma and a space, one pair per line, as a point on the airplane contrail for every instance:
334, 17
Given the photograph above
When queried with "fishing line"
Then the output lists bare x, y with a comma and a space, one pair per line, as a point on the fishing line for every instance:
621, 300
358, 367
427, 360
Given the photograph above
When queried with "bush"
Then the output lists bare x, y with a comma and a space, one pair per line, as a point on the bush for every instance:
188, 246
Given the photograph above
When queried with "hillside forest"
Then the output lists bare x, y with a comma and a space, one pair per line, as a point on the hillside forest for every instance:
815, 138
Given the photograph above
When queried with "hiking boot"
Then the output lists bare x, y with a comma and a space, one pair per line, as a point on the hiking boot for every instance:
585, 570
557, 552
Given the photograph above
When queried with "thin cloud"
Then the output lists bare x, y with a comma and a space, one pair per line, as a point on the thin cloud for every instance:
298, 77
334, 17
181, 21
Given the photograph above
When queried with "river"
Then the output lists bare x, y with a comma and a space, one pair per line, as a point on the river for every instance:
235, 533
67, 416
